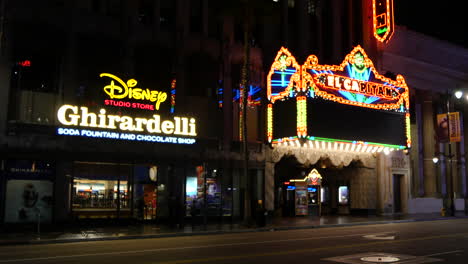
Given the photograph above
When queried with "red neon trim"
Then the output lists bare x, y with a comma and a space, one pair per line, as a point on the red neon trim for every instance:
388, 17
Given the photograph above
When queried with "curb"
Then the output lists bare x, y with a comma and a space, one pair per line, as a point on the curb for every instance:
217, 232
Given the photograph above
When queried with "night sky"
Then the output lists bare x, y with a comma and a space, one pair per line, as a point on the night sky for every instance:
445, 20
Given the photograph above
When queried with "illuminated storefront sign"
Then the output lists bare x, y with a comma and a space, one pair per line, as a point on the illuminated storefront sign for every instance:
382, 11
102, 123
358, 88
70, 115
125, 136
129, 91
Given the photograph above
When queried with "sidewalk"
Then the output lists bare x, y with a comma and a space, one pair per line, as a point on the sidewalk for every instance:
77, 234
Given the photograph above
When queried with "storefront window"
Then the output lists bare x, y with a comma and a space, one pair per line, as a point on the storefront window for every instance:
194, 191
197, 182
192, 199
101, 190
146, 192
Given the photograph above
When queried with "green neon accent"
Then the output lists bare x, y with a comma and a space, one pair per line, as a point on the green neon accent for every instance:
382, 30
408, 128
351, 141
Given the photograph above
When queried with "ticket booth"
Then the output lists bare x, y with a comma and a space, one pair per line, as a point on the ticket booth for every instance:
305, 194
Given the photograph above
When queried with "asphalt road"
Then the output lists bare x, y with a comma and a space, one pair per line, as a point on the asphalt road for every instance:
415, 242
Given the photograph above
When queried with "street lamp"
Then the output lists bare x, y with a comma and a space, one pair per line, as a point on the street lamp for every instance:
458, 94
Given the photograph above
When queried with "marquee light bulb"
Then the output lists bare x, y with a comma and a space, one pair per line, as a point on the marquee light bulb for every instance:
458, 94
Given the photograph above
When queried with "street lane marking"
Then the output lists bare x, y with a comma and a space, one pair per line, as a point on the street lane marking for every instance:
176, 248
443, 253
242, 256
380, 236
277, 253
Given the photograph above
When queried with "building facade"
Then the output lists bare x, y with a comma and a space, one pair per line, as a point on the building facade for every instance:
436, 69
124, 109
135, 110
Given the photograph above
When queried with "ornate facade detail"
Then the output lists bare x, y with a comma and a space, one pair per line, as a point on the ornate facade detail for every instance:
311, 156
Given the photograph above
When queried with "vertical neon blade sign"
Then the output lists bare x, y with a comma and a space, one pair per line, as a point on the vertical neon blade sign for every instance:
408, 130
301, 116
270, 122
173, 95
383, 19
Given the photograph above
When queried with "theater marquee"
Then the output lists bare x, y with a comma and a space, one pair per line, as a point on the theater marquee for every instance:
347, 106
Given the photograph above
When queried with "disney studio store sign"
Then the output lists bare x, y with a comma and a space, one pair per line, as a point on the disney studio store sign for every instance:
142, 123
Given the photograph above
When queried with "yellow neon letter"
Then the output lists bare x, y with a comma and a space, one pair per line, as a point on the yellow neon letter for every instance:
111, 88
161, 98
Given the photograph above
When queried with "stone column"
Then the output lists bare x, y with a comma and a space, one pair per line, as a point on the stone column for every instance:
381, 183
442, 170
62, 191
269, 185
430, 177
420, 149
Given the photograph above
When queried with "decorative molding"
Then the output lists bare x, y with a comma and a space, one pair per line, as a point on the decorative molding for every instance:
311, 156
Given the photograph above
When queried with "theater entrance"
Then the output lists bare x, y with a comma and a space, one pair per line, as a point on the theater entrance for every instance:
314, 190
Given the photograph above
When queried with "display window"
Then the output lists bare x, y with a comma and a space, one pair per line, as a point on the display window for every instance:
203, 192
28, 201
28, 191
194, 191
343, 195
101, 190
100, 194
146, 191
